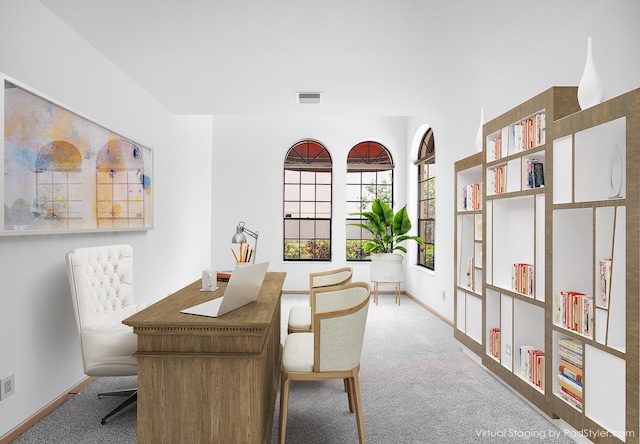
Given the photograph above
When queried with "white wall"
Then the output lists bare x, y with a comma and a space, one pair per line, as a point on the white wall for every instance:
38, 340
248, 181
559, 61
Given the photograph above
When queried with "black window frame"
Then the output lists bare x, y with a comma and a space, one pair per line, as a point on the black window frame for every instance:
371, 160
426, 163
308, 159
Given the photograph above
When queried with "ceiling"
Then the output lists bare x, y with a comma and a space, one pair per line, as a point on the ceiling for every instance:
251, 56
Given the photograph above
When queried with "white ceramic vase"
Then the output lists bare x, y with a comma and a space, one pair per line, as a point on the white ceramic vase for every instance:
590, 87
387, 267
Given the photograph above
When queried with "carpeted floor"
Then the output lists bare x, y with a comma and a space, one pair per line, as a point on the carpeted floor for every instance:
417, 387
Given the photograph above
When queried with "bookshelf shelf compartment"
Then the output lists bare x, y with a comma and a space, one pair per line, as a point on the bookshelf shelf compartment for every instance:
533, 171
600, 153
470, 315
469, 183
605, 389
528, 133
591, 162
516, 221
492, 319
529, 334
567, 370
497, 145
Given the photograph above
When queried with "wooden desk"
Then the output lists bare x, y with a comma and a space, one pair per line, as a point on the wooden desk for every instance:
208, 380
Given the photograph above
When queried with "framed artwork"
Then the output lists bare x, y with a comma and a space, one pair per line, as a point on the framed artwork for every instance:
65, 173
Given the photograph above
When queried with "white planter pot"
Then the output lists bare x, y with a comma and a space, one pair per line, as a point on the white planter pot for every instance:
387, 267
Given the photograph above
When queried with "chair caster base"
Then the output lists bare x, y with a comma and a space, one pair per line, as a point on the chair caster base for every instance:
131, 394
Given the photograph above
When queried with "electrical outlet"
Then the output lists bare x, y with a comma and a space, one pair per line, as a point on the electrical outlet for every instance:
508, 349
444, 295
7, 387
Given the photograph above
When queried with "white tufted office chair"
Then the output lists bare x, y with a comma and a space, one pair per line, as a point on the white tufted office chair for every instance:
331, 351
101, 281
300, 317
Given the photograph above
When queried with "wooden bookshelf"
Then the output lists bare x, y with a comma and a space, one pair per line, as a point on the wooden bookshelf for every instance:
468, 253
596, 155
581, 233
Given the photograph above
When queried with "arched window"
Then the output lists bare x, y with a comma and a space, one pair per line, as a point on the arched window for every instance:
307, 202
427, 200
59, 185
120, 185
369, 177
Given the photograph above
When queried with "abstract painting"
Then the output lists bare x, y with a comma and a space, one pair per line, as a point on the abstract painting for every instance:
63, 172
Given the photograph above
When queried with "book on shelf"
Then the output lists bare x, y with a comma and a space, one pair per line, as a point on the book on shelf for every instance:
529, 133
570, 352
534, 170
223, 276
570, 374
470, 273
570, 371
605, 282
494, 343
494, 148
570, 392
532, 365
472, 197
497, 178
522, 277
573, 310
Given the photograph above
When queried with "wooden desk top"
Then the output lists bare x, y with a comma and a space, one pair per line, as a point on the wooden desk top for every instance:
165, 319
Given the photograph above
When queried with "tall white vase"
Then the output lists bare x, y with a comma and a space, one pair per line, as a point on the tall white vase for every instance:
590, 87
479, 134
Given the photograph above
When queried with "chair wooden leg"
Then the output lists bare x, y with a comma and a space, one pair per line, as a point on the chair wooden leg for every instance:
284, 404
349, 388
355, 382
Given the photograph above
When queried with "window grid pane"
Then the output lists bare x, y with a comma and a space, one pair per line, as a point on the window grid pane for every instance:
307, 210
369, 177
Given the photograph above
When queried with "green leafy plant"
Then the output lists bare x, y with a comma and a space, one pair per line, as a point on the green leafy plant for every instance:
388, 229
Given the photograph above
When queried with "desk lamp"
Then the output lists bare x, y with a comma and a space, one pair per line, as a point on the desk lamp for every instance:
240, 238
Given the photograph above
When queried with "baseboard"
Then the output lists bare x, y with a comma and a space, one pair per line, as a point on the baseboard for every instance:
44, 411
429, 309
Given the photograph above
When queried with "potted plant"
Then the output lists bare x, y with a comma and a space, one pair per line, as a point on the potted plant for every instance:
389, 231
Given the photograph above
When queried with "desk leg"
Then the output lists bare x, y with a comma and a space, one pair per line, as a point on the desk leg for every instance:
398, 293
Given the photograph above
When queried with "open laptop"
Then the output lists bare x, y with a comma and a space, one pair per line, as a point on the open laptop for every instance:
242, 289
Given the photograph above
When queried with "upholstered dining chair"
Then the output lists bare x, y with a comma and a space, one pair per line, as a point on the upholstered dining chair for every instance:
300, 317
331, 351
101, 282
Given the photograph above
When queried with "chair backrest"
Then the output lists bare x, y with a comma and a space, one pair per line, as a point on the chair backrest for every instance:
339, 276
340, 318
101, 281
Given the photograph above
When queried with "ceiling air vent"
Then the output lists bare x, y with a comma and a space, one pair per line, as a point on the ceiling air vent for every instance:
308, 97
